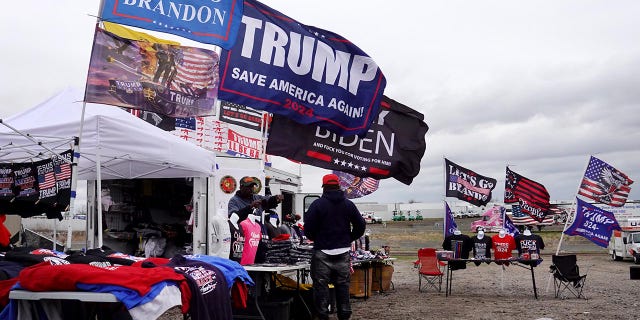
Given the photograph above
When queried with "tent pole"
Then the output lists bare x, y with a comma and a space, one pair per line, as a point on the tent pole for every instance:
99, 197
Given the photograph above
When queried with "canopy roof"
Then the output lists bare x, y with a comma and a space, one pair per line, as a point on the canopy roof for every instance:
127, 147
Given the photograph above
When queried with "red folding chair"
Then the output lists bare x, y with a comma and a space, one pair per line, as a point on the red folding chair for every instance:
430, 269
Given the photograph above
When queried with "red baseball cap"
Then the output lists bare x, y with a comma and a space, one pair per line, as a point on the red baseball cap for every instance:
330, 179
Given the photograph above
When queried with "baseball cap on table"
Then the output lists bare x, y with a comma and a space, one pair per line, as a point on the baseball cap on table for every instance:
247, 182
330, 179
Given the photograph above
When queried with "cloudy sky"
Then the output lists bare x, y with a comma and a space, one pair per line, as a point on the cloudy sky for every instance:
536, 85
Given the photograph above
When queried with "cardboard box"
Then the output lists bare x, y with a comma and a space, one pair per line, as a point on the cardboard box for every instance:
357, 286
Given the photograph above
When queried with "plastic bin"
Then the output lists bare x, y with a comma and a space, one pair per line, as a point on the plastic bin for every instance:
279, 309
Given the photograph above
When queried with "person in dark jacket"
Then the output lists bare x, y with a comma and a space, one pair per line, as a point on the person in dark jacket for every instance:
332, 222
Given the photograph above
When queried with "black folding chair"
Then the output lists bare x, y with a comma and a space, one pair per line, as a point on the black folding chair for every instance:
566, 276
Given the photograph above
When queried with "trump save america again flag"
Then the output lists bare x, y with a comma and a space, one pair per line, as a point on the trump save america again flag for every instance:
307, 74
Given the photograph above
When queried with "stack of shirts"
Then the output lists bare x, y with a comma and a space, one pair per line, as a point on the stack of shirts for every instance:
278, 251
301, 254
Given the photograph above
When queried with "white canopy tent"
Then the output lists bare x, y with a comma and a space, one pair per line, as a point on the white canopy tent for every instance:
113, 144
128, 147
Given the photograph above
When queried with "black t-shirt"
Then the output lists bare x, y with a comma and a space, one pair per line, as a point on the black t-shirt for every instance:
532, 243
481, 247
237, 242
461, 244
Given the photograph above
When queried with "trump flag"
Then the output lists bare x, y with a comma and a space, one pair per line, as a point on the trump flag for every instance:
176, 81
449, 222
605, 184
593, 223
304, 73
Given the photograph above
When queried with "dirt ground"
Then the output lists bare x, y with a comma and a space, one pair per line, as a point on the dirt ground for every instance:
488, 292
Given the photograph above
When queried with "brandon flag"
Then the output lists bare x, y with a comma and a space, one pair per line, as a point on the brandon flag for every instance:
593, 223
605, 184
467, 185
307, 74
214, 22
532, 197
392, 148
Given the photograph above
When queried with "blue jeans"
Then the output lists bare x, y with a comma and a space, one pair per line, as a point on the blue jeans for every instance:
335, 269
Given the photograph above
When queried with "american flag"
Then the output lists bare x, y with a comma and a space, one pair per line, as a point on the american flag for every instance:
194, 70
356, 187
187, 123
46, 181
62, 171
605, 184
522, 219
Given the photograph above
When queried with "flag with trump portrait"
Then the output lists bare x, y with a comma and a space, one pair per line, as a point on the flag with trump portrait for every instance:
467, 185
531, 196
172, 80
605, 184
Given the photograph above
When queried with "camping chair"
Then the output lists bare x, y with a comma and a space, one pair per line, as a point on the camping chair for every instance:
566, 276
429, 269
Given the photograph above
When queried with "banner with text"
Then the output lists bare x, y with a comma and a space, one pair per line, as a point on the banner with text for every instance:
593, 223
392, 148
307, 74
467, 185
240, 115
214, 22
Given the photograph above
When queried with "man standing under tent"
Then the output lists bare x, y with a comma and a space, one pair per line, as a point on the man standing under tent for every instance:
245, 201
332, 222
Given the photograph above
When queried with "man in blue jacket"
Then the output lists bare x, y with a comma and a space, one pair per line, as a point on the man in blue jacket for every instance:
332, 222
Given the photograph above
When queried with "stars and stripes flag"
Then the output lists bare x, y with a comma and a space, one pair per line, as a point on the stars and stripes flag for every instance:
532, 196
522, 219
63, 171
605, 184
354, 186
46, 180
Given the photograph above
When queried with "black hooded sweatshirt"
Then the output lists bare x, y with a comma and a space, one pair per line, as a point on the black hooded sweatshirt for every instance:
333, 221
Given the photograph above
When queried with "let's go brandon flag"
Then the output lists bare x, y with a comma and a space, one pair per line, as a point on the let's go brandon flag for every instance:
392, 148
176, 81
307, 74
467, 185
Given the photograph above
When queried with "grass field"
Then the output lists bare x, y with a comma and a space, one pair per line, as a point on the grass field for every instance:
406, 237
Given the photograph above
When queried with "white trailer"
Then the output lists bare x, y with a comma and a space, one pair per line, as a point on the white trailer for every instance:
625, 244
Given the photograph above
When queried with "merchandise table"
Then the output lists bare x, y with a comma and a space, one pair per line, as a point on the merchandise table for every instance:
25, 296
366, 266
258, 272
530, 264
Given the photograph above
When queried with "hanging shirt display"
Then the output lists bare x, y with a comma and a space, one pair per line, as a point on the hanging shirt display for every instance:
252, 234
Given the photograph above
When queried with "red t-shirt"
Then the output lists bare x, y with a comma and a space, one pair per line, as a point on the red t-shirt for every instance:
502, 247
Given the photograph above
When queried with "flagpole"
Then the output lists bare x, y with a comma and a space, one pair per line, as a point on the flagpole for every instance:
444, 199
571, 216
566, 222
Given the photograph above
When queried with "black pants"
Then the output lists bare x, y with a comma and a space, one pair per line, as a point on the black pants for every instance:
335, 269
